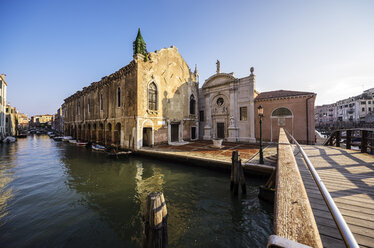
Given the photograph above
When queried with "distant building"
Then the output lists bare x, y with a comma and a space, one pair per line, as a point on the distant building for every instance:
58, 121
23, 121
11, 120
41, 121
347, 112
3, 88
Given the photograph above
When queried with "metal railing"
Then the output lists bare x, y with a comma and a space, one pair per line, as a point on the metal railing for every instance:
346, 233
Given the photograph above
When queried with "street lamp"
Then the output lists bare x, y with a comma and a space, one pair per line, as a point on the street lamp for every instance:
260, 112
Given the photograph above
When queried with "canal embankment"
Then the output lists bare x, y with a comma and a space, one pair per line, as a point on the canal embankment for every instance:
203, 154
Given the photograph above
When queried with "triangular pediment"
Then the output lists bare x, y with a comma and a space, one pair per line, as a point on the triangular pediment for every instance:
218, 79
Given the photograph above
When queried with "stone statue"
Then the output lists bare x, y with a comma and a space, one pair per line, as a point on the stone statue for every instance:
218, 66
252, 70
231, 121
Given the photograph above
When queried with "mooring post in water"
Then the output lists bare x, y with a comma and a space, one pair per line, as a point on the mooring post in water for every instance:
242, 178
232, 171
237, 174
155, 222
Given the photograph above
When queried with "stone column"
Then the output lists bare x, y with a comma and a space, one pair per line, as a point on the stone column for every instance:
208, 118
169, 132
233, 129
252, 110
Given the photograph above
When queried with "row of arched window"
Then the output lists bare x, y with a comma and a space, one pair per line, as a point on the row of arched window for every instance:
152, 100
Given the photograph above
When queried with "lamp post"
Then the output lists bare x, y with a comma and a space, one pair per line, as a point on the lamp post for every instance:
260, 111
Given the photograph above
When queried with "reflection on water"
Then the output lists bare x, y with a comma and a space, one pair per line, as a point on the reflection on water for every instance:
58, 194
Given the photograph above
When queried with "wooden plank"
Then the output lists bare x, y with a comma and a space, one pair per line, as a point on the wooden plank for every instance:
361, 234
293, 218
352, 192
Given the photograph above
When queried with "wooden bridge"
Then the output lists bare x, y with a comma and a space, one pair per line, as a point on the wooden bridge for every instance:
349, 178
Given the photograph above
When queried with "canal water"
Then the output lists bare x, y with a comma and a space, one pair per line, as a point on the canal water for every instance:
55, 194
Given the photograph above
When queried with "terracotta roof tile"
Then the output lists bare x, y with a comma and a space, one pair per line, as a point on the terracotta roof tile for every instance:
281, 94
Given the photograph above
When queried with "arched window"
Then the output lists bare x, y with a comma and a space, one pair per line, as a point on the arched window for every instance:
152, 96
281, 112
118, 97
192, 105
88, 105
101, 102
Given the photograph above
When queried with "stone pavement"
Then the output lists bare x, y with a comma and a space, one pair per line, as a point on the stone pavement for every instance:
205, 149
204, 152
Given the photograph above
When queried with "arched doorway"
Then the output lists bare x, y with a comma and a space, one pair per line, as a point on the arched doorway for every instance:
83, 133
73, 132
108, 134
280, 117
101, 134
117, 134
79, 132
93, 136
88, 132
147, 133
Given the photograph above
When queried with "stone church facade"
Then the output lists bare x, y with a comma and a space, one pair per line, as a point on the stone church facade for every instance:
152, 100
227, 107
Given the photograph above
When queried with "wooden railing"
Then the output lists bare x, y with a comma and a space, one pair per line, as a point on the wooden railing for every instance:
363, 138
293, 216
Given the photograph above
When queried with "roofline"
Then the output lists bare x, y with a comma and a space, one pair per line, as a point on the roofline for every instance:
284, 97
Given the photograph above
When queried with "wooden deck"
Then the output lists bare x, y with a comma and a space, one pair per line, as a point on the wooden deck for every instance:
349, 177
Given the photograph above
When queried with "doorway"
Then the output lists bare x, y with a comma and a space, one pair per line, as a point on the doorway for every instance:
220, 130
174, 132
193, 133
147, 136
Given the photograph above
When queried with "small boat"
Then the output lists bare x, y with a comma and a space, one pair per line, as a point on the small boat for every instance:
118, 154
81, 143
9, 139
58, 138
72, 141
67, 138
97, 147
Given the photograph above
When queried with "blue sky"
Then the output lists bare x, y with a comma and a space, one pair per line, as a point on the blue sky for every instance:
51, 49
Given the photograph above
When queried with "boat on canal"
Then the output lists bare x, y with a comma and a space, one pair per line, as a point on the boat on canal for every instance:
72, 141
97, 147
9, 139
67, 138
81, 143
122, 154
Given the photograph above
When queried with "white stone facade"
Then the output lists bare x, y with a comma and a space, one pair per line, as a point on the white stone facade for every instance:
226, 106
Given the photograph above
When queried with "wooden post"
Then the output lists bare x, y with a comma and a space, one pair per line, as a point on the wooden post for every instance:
330, 141
237, 174
364, 141
233, 159
337, 141
155, 222
242, 178
349, 139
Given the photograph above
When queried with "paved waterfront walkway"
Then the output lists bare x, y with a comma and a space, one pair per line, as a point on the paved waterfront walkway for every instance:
204, 151
349, 177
